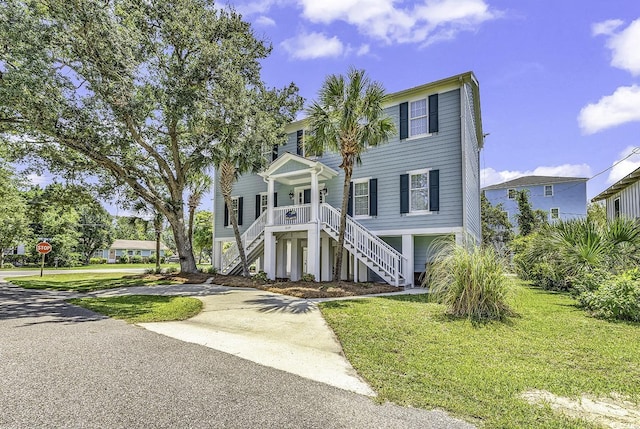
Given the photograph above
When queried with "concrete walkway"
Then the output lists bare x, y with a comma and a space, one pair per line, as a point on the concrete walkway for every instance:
274, 330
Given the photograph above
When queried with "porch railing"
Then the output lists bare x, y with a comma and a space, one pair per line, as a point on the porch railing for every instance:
292, 215
385, 257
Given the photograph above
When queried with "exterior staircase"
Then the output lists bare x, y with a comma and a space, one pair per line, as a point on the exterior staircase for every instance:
368, 248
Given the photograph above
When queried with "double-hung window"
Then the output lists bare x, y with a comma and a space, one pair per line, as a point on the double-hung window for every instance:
263, 202
418, 117
555, 213
419, 192
548, 190
361, 197
233, 210
511, 194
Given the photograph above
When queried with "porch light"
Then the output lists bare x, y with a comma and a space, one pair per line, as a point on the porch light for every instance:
291, 195
324, 191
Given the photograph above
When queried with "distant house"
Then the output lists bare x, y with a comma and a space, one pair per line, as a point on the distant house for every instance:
561, 197
130, 248
623, 197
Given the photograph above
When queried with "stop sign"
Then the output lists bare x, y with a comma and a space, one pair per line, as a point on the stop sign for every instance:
43, 247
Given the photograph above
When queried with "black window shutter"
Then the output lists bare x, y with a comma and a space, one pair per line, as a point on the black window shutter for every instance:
404, 193
299, 143
258, 201
373, 197
274, 153
275, 199
307, 196
226, 215
434, 190
404, 121
240, 210
350, 200
433, 113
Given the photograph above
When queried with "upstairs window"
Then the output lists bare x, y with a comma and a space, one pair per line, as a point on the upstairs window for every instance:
548, 190
511, 194
616, 208
419, 192
361, 197
418, 117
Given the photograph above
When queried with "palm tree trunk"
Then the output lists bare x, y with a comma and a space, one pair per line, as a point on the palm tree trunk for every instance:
236, 233
337, 269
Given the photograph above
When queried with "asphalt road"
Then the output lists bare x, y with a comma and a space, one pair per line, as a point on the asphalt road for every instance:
64, 366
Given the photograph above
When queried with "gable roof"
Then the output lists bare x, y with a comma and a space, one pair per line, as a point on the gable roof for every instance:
627, 180
136, 245
297, 175
534, 180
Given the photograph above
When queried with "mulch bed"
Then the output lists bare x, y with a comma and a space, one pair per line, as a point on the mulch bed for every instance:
298, 289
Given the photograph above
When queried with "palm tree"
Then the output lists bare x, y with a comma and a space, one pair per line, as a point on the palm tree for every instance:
347, 118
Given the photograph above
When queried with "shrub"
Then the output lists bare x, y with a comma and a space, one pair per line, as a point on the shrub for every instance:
169, 270
7, 265
97, 261
124, 259
136, 259
260, 277
211, 270
308, 277
469, 281
152, 259
617, 298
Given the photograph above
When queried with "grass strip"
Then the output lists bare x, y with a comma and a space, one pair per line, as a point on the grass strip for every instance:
81, 282
143, 308
414, 355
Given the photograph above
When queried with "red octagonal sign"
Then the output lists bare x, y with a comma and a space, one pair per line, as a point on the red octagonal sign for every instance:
43, 247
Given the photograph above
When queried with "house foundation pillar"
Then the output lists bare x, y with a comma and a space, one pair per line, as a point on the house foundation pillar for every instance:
270, 255
408, 252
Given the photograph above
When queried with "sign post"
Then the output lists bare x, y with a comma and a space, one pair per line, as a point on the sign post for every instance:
43, 248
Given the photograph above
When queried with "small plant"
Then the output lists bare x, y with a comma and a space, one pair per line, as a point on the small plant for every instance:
137, 259
469, 281
618, 298
260, 277
308, 277
211, 270
7, 265
152, 259
169, 270
124, 259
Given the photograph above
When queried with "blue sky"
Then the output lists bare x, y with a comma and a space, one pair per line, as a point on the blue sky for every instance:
559, 79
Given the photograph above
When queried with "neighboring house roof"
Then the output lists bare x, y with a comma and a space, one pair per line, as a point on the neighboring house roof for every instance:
534, 180
136, 245
627, 180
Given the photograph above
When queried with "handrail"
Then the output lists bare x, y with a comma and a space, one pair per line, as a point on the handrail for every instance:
231, 256
385, 257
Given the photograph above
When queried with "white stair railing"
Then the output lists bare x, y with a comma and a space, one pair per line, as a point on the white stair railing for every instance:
231, 256
385, 257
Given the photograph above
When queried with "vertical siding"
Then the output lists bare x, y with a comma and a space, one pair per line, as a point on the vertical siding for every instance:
471, 167
629, 202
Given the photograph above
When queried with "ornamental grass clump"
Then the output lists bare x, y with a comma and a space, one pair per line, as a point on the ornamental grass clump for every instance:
469, 280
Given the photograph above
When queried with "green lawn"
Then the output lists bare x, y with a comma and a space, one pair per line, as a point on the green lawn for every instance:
413, 355
143, 308
86, 282
94, 267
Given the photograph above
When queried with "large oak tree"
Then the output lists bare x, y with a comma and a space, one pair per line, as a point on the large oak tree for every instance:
137, 93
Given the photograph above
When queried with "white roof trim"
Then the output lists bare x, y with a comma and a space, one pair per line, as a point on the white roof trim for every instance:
297, 176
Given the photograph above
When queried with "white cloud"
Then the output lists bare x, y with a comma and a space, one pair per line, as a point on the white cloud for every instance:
625, 167
624, 44
427, 22
313, 45
256, 7
363, 50
489, 176
611, 110
606, 27
36, 179
265, 21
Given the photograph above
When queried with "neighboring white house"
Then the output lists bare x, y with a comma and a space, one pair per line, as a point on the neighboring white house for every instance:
623, 197
423, 184
130, 248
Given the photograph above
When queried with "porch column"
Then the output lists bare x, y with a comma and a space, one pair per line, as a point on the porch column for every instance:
315, 196
281, 258
313, 247
217, 254
270, 255
356, 277
270, 189
296, 259
325, 259
344, 272
407, 252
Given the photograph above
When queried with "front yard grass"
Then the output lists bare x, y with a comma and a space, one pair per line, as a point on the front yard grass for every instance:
88, 282
414, 355
143, 308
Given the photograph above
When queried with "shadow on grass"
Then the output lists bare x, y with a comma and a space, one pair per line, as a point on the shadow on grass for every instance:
275, 304
88, 285
123, 307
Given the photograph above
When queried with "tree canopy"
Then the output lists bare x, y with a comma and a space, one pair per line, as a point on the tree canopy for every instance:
136, 93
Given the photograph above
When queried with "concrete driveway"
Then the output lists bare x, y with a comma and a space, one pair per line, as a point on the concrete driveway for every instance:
63, 366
